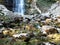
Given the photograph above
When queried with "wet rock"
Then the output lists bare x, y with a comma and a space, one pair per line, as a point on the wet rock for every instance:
18, 19
1, 29
1, 25
41, 43
1, 35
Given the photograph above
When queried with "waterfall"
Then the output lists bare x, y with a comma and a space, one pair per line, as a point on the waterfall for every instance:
18, 6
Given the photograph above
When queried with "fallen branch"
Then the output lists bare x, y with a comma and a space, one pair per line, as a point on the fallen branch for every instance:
35, 6
38, 9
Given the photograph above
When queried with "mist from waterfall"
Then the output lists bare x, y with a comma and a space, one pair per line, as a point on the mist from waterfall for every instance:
19, 6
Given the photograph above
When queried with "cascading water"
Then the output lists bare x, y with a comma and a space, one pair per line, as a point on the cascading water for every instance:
19, 6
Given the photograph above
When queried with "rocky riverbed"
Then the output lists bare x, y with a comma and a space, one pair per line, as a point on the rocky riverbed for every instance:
37, 29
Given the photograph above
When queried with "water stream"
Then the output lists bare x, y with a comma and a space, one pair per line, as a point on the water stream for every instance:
19, 6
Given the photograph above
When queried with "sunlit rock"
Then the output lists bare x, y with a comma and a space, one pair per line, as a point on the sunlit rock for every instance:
47, 14
54, 38
47, 21
55, 9
48, 30
19, 35
4, 9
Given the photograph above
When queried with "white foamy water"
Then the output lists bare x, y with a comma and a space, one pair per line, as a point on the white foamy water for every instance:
19, 6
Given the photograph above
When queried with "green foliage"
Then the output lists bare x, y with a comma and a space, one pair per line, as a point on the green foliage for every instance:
45, 2
52, 1
9, 42
44, 5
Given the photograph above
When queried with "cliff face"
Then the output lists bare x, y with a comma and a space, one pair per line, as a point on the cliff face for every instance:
7, 3
43, 5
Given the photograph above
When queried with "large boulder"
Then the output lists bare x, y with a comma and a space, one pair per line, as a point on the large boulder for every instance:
55, 9
4, 9
46, 29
